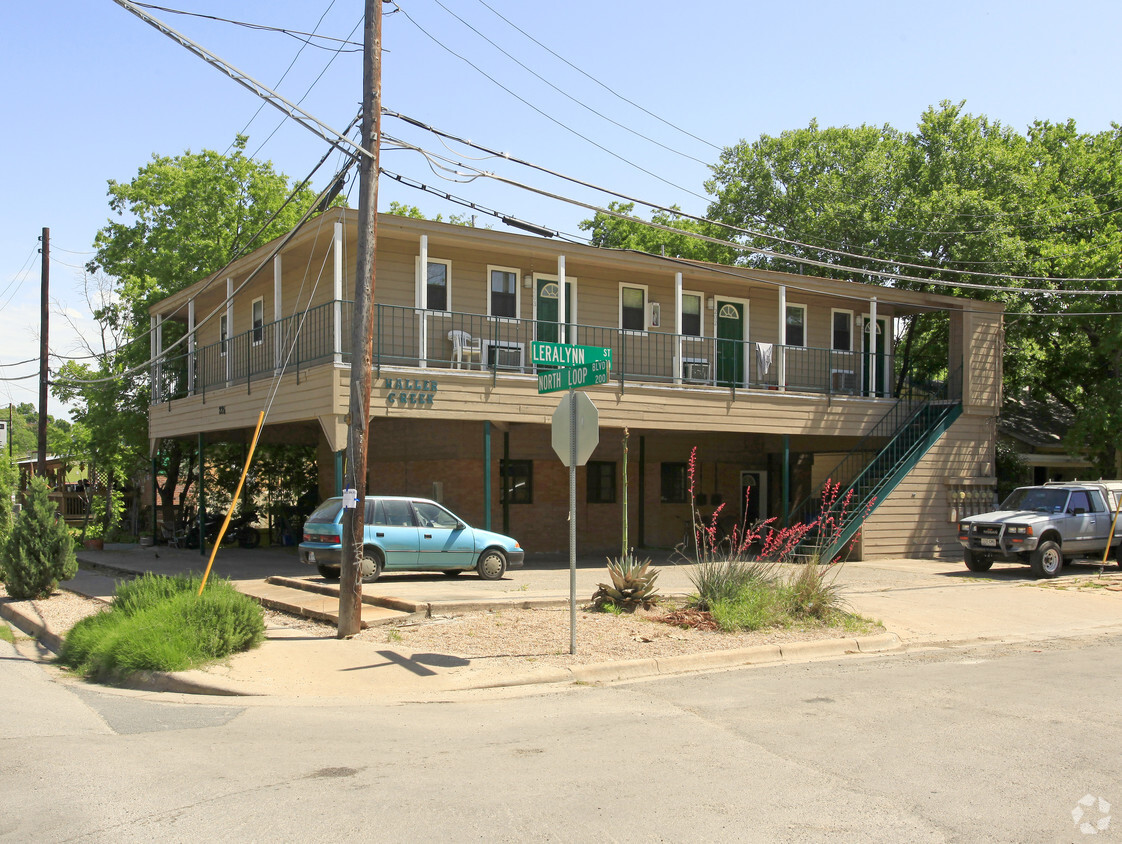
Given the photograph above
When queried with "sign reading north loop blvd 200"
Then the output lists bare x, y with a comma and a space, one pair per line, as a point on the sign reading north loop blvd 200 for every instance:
573, 377
561, 354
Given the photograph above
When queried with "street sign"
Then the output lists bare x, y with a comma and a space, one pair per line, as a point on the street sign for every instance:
587, 428
561, 354
573, 377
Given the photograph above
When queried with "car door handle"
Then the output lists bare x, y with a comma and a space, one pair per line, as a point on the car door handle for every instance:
428, 536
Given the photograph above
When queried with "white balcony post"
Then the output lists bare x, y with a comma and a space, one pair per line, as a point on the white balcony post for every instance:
781, 364
153, 370
423, 302
677, 328
278, 312
337, 276
872, 329
192, 344
229, 326
562, 301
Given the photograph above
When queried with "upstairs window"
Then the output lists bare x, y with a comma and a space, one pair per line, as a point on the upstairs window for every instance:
503, 301
691, 314
437, 283
796, 325
632, 308
843, 331
223, 333
258, 320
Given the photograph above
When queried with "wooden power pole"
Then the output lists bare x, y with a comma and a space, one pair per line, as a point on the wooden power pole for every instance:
362, 330
44, 319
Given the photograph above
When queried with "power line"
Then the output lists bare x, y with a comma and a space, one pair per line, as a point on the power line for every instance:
597, 81
679, 213
545, 114
300, 36
569, 96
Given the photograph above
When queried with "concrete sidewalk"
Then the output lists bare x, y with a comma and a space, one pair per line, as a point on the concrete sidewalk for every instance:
920, 602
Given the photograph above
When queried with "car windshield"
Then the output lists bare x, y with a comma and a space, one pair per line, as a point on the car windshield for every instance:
326, 513
1036, 498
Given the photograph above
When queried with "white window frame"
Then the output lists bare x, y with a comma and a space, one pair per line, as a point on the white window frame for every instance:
258, 330
700, 312
423, 282
852, 328
517, 292
646, 300
806, 326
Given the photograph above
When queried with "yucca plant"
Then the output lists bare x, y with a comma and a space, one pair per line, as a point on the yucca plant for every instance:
632, 586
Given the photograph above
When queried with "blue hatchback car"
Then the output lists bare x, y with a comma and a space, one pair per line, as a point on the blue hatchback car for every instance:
407, 534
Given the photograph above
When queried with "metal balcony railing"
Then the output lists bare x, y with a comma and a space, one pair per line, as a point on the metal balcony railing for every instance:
411, 337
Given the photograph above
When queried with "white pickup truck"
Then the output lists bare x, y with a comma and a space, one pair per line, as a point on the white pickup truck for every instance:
1045, 526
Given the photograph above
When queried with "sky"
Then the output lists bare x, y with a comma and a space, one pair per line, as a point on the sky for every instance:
638, 96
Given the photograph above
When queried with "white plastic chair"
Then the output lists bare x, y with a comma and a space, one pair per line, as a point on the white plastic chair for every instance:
464, 347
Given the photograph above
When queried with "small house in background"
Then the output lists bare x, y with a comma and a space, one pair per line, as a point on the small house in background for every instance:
1036, 432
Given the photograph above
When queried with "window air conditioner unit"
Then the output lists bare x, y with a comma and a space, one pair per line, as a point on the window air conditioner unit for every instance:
505, 357
695, 370
843, 381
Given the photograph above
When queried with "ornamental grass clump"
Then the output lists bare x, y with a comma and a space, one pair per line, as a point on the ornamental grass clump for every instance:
162, 624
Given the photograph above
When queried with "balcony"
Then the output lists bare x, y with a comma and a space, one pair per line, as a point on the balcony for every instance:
498, 346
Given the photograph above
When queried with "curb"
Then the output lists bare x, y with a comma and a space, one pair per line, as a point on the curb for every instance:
50, 640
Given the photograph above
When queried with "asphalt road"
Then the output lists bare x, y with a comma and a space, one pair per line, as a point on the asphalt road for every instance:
993, 743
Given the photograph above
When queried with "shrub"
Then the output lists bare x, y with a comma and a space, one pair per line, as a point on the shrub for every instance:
39, 551
161, 624
718, 581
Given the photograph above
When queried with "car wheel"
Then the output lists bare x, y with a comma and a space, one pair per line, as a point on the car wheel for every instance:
492, 564
327, 572
1047, 559
453, 572
977, 562
370, 565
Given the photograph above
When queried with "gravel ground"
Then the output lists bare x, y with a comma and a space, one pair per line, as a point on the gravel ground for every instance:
514, 638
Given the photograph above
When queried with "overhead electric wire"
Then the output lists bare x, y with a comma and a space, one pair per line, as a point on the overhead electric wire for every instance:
294, 33
597, 81
695, 218
291, 64
569, 96
544, 114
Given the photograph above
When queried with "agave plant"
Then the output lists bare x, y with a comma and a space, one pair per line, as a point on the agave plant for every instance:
632, 586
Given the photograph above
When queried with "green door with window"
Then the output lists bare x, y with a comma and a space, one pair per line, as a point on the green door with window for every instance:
730, 344
880, 387
546, 297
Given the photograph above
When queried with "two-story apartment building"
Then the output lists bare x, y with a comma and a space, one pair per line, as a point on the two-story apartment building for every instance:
780, 381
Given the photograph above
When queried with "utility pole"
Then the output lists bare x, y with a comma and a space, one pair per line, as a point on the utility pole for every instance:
44, 312
362, 330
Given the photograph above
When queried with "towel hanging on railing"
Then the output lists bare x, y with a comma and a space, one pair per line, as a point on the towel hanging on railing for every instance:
763, 356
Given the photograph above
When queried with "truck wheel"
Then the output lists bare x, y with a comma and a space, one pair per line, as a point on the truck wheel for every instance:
1047, 559
977, 562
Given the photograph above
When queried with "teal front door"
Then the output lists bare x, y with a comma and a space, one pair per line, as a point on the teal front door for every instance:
548, 331
874, 384
730, 344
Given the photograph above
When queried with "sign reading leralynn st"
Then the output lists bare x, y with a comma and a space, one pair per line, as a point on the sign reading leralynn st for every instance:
577, 366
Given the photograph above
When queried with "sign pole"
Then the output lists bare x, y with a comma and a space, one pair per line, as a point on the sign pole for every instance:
572, 522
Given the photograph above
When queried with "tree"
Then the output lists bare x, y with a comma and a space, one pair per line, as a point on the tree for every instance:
959, 192
180, 219
39, 551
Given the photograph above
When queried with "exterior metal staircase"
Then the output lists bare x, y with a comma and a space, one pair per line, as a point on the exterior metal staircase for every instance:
873, 468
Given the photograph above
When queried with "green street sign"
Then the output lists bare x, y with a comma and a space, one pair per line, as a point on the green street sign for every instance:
573, 377
561, 354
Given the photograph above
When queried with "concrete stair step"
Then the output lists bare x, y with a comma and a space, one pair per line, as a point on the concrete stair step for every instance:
332, 588
312, 604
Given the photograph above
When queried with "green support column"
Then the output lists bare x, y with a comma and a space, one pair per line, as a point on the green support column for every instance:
786, 480
641, 538
502, 477
339, 472
202, 496
155, 532
487, 475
